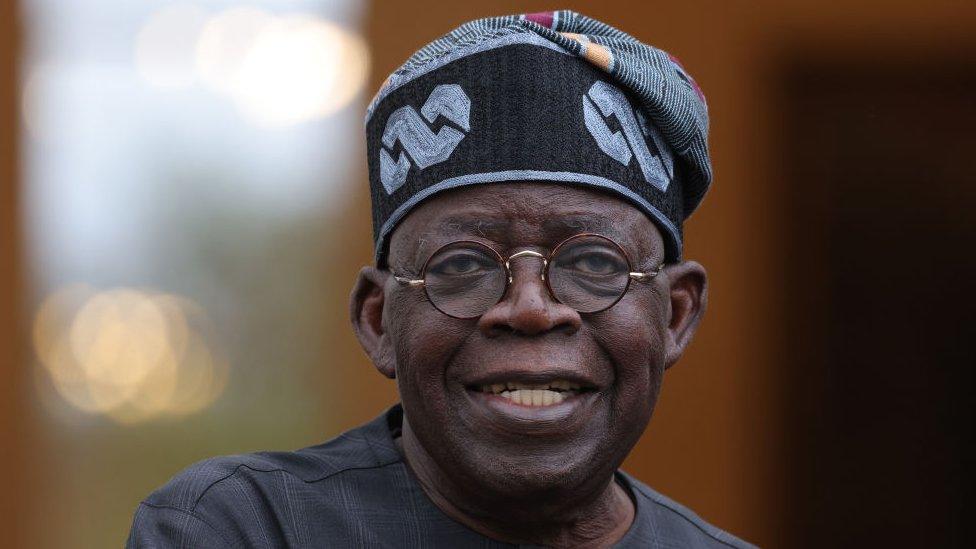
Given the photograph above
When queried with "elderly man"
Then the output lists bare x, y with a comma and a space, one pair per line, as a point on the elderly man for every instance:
529, 178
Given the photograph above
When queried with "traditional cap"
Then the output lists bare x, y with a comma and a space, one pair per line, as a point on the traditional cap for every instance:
553, 96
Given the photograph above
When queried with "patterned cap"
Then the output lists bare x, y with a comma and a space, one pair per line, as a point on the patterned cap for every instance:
554, 96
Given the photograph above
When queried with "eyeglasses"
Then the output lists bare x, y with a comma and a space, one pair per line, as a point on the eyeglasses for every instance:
588, 272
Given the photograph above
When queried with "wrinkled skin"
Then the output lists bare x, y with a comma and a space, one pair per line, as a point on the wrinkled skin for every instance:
528, 478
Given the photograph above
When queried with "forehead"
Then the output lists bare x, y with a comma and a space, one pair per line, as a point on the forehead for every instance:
520, 214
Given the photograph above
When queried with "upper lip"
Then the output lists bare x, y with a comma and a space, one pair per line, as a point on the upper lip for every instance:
533, 377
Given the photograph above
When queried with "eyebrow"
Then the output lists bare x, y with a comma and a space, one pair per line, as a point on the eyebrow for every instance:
561, 225
465, 225
557, 227
460, 226
568, 225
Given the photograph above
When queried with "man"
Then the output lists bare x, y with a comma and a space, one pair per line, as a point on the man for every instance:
529, 178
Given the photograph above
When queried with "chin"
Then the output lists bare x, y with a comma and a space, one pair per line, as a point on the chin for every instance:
555, 472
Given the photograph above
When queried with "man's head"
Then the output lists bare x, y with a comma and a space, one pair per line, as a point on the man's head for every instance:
617, 356
517, 133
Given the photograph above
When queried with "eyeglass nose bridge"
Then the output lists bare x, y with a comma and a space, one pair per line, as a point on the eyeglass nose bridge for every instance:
525, 253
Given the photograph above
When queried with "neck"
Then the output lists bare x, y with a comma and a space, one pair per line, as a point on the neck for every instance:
598, 519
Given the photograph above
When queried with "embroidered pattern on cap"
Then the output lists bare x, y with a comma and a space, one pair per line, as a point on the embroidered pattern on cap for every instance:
622, 146
421, 146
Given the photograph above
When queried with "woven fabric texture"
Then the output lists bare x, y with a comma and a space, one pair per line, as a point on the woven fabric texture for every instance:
669, 96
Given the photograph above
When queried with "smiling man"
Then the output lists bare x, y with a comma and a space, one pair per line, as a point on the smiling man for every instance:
529, 176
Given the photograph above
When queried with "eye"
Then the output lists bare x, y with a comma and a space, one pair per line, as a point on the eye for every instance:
595, 263
459, 264
592, 261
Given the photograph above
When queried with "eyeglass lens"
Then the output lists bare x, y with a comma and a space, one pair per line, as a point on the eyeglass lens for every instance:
465, 279
588, 273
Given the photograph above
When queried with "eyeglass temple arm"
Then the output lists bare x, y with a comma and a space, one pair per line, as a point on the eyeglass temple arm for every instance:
409, 281
644, 277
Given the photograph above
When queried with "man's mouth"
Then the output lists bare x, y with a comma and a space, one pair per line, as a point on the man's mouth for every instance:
534, 394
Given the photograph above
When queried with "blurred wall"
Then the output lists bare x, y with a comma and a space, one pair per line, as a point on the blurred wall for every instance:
881, 372
14, 394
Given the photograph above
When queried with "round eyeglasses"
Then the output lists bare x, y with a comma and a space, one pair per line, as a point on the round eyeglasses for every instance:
587, 272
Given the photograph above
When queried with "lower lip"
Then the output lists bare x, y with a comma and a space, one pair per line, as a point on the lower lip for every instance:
557, 416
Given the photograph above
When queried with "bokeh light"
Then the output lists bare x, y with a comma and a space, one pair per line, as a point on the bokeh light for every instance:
279, 70
224, 42
299, 68
128, 354
165, 46
167, 149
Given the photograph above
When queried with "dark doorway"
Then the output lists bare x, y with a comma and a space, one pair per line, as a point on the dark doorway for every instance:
881, 302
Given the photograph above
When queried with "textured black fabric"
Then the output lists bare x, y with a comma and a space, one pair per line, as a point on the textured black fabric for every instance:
526, 115
353, 491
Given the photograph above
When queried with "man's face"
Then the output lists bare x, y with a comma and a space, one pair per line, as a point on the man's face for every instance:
616, 357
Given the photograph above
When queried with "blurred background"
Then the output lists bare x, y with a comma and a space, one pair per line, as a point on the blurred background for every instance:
184, 207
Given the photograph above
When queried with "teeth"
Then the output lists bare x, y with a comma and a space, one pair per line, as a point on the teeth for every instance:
565, 385
527, 394
558, 385
534, 397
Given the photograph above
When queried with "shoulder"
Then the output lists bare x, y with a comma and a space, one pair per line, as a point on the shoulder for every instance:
240, 498
351, 450
677, 523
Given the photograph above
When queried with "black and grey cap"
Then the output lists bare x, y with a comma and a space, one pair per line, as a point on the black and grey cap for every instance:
553, 96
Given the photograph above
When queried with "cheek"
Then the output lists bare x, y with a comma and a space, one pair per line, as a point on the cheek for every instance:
633, 334
424, 340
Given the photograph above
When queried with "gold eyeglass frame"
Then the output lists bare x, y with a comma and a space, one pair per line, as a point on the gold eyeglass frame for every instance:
638, 276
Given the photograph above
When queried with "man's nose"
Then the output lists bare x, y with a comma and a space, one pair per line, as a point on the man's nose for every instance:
527, 307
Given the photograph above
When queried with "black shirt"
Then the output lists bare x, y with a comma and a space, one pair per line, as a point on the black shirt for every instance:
352, 491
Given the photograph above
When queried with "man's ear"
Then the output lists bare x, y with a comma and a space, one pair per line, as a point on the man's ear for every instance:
689, 296
366, 314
